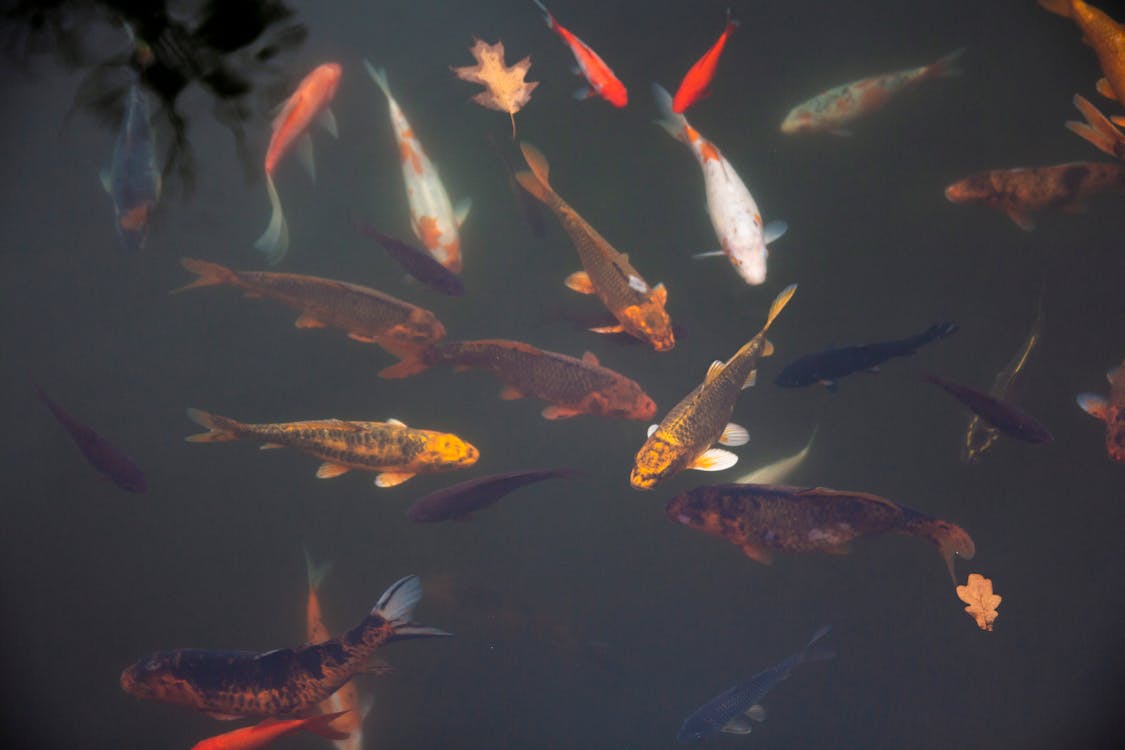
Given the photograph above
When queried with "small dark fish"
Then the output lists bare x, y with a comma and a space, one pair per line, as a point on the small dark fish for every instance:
416, 262
110, 461
1000, 414
827, 366
532, 214
457, 501
732, 710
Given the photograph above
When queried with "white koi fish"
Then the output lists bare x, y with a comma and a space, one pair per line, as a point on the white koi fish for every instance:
432, 216
733, 211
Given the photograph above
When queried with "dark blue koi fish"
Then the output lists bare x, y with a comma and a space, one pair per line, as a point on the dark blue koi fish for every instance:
133, 180
732, 710
996, 412
111, 462
457, 501
827, 366
416, 262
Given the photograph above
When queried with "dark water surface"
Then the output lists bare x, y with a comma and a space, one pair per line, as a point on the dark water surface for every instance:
583, 618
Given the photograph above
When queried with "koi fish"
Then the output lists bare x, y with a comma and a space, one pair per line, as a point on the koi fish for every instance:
418, 263
779, 470
458, 501
368, 316
697, 83
132, 180
432, 217
998, 413
99, 452
1111, 411
602, 81
1097, 129
310, 101
639, 308
762, 518
835, 108
828, 366
683, 438
393, 450
1107, 37
265, 732
532, 214
733, 211
1021, 192
732, 710
282, 682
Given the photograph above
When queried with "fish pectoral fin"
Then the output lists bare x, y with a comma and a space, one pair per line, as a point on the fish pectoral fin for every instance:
1105, 89
106, 180
510, 393
329, 470
559, 412
757, 712
708, 254
713, 459
774, 230
269, 446
327, 120
579, 281
737, 725
305, 156
396, 422
651, 429
223, 717
590, 358
734, 435
361, 338
583, 93
1094, 405
461, 211
376, 666
751, 379
713, 371
392, 478
1118, 120
757, 553
307, 320
608, 329
1020, 219
1112, 374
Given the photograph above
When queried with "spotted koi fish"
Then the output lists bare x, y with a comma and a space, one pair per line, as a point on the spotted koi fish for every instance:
392, 449
432, 216
1107, 37
1111, 411
132, 180
836, 108
639, 308
282, 682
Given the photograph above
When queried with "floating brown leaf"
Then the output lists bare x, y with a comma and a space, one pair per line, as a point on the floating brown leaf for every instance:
506, 90
982, 602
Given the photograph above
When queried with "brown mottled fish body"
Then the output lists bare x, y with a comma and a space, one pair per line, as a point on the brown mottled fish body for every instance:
762, 519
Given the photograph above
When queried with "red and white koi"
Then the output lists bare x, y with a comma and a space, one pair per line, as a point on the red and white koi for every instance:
600, 76
432, 217
733, 211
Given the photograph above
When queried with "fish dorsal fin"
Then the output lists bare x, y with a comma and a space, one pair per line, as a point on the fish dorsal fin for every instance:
651, 429
341, 424
396, 422
757, 712
305, 156
779, 303
660, 294
767, 348
590, 358
751, 380
461, 210
538, 163
866, 496
713, 371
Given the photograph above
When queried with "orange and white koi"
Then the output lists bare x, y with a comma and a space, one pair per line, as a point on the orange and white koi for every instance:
734, 213
1107, 37
601, 78
836, 108
697, 83
265, 732
432, 217
310, 101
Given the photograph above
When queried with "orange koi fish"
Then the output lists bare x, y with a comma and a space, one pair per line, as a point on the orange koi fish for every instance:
638, 307
602, 81
432, 217
683, 438
697, 83
265, 732
310, 101
1111, 411
1097, 129
366, 314
1107, 37
393, 450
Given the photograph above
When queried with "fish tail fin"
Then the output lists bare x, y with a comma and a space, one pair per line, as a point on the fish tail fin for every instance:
537, 181
546, 14
210, 274
1058, 7
221, 429
409, 365
274, 242
947, 66
1097, 129
813, 652
316, 572
320, 725
950, 539
396, 607
379, 75
672, 122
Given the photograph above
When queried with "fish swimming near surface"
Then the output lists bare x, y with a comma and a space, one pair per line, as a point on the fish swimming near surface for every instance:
639, 308
367, 315
683, 438
418, 263
1106, 36
1111, 411
529, 207
132, 180
589, 64
732, 710
828, 366
733, 211
762, 519
995, 411
279, 683
1018, 193
434, 220
393, 450
99, 452
1097, 129
779, 470
265, 732
836, 108
290, 128
459, 501
697, 82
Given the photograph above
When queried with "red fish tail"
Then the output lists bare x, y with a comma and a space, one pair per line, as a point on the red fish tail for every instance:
320, 725
950, 539
210, 274
221, 429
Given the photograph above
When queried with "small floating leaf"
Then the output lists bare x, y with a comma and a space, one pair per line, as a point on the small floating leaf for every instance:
506, 89
982, 602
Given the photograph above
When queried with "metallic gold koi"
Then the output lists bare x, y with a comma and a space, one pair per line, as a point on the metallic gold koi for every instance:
1106, 36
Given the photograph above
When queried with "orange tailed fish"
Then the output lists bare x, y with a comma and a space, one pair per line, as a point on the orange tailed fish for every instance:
762, 519
602, 81
265, 732
684, 437
367, 315
697, 83
639, 308
1107, 37
393, 450
282, 682
310, 101
1111, 411
1097, 129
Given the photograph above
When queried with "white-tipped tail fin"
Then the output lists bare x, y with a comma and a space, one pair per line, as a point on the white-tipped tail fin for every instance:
317, 572
396, 606
669, 120
813, 652
379, 75
274, 242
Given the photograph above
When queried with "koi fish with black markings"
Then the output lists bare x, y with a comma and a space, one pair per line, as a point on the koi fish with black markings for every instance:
1111, 411
132, 179
459, 501
418, 263
601, 78
995, 411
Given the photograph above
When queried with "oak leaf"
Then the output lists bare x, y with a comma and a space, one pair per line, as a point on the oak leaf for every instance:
982, 602
505, 87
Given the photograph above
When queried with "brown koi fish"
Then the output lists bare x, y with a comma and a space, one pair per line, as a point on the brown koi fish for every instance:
282, 682
1111, 411
1020, 192
762, 518
683, 438
365, 314
392, 449
639, 308
1097, 129
1106, 36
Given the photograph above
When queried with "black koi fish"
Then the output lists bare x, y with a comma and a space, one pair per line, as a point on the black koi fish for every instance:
457, 501
996, 412
416, 262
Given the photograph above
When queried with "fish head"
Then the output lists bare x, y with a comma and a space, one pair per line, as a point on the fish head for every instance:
154, 678
798, 120
623, 400
448, 450
615, 93
656, 460
975, 188
327, 77
693, 729
650, 322
751, 266
693, 508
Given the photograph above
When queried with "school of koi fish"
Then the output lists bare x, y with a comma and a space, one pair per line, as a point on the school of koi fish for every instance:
316, 688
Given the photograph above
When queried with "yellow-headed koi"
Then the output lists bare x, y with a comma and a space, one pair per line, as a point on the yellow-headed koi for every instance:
683, 438
366, 314
1106, 36
392, 449
638, 307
